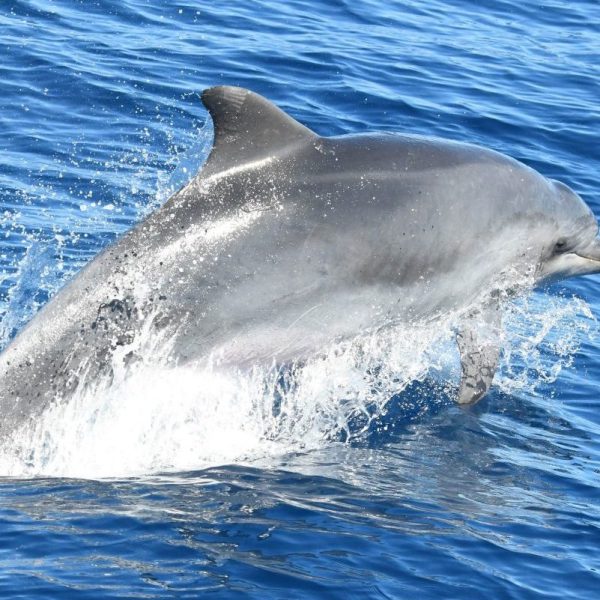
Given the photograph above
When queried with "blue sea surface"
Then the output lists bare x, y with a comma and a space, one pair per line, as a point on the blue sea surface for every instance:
100, 120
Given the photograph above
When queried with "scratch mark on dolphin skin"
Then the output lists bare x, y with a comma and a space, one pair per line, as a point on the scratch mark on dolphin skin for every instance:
209, 232
249, 166
282, 349
304, 314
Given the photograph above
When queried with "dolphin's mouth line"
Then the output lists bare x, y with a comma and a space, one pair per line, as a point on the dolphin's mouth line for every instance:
591, 251
590, 259
595, 259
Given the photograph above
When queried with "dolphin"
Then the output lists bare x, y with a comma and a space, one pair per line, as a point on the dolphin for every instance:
285, 241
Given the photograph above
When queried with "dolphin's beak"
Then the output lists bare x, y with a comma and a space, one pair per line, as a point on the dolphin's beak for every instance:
591, 255
584, 260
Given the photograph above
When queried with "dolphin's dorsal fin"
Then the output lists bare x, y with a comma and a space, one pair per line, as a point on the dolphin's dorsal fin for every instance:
247, 128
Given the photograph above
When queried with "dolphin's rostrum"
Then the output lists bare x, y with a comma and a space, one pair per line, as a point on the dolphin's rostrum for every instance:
285, 241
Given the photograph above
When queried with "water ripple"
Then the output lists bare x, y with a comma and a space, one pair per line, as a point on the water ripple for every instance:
99, 116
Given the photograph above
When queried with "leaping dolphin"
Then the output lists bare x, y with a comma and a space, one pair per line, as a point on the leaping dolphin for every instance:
285, 241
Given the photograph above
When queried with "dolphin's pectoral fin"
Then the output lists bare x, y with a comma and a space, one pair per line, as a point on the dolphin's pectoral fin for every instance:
247, 128
478, 361
478, 344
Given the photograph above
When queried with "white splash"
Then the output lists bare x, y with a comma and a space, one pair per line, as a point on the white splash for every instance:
157, 417
542, 335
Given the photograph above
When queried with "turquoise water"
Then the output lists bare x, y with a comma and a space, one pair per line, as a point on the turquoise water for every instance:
100, 120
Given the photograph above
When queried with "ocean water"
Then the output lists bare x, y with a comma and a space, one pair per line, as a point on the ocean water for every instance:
356, 476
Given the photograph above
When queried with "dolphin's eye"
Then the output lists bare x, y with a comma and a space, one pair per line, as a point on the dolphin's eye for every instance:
561, 245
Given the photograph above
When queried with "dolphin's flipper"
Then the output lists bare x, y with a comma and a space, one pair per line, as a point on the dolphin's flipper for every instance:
248, 128
478, 344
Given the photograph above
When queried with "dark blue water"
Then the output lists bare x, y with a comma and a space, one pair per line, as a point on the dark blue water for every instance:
100, 118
